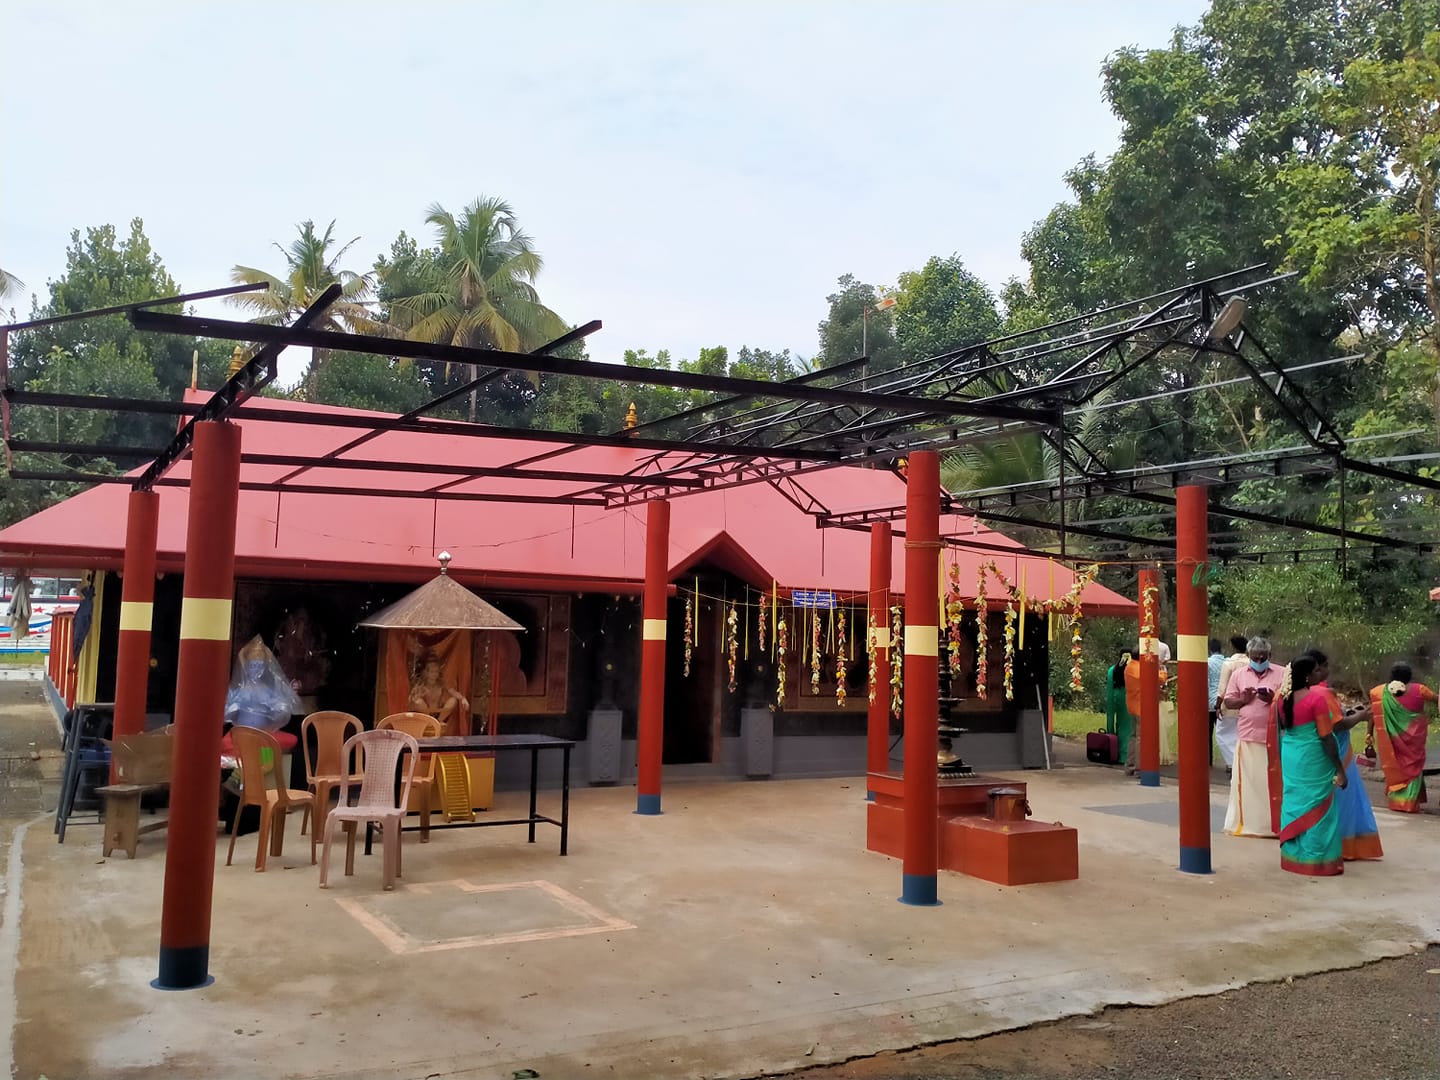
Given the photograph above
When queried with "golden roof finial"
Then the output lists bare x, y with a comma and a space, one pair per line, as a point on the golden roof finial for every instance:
237, 361
632, 419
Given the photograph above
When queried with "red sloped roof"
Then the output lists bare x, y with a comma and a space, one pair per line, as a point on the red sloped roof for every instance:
752, 531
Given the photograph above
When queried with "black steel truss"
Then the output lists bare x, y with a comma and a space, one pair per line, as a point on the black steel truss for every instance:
778, 432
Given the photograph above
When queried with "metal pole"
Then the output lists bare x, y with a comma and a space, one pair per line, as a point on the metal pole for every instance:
137, 602
204, 671
922, 679
1192, 693
877, 744
1149, 682
651, 734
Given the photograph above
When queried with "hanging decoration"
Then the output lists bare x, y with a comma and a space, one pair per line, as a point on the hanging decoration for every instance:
1009, 680
871, 651
1064, 609
689, 633
814, 651
840, 659
780, 644
954, 609
982, 644
897, 699
762, 625
733, 619
1148, 608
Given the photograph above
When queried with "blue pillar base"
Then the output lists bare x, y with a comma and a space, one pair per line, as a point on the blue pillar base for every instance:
1195, 860
919, 890
1149, 779
647, 804
184, 969
869, 796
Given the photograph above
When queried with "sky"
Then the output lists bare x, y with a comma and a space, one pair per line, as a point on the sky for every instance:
694, 174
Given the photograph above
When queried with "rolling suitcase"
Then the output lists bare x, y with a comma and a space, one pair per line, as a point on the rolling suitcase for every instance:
1102, 747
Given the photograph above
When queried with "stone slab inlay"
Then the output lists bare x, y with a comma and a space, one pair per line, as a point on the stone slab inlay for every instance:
437, 916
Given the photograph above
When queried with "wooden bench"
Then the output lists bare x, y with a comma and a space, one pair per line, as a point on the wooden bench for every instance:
122, 816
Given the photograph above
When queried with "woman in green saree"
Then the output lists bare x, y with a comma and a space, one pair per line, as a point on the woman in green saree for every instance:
1310, 763
1118, 721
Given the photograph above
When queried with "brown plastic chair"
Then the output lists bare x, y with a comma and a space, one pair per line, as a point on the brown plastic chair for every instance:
418, 726
381, 751
322, 771
276, 802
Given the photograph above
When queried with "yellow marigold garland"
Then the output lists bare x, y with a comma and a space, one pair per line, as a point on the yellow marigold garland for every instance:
897, 677
840, 649
733, 619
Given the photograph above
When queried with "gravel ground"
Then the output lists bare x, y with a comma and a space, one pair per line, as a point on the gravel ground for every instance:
1378, 1022
29, 752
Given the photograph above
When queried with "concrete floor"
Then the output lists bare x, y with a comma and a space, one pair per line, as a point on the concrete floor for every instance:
745, 931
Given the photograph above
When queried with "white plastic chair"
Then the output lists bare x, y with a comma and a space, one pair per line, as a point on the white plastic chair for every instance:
381, 749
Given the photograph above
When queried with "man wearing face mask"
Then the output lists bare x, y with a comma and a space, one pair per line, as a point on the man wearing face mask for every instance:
1254, 781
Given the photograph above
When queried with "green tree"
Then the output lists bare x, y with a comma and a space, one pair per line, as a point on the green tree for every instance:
311, 267
10, 285
941, 307
855, 327
1362, 210
476, 288
103, 271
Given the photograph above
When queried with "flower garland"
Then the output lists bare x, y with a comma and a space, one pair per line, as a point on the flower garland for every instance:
1147, 618
689, 632
762, 626
871, 652
781, 641
1075, 683
840, 649
954, 609
814, 651
982, 651
1010, 651
733, 619
897, 698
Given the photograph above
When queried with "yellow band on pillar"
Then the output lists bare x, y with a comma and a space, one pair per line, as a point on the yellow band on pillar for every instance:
922, 641
136, 614
1192, 647
880, 637
203, 619
653, 630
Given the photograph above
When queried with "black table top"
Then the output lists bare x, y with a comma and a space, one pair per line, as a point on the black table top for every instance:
493, 742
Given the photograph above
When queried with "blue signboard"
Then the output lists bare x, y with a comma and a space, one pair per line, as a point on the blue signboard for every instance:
807, 598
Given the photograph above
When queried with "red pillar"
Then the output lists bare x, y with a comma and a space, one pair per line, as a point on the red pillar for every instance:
137, 601
651, 734
922, 678
1193, 689
1149, 681
200, 685
877, 743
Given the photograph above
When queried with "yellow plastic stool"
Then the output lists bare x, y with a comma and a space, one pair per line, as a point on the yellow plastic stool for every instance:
454, 772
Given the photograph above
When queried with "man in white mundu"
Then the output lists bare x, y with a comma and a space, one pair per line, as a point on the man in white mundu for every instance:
1251, 691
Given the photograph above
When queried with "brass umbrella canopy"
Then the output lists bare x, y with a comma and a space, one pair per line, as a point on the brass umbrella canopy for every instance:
441, 604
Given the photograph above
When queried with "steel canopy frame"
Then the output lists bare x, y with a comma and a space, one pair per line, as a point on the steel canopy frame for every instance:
1023, 382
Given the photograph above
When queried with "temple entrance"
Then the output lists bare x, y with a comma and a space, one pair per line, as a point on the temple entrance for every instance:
692, 701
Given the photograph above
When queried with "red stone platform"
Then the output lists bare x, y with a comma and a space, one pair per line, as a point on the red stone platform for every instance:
1007, 852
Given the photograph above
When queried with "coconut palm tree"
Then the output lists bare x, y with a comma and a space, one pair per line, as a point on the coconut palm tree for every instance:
310, 268
477, 288
9, 284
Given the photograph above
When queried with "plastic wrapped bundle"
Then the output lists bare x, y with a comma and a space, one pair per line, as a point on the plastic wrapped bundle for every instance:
260, 695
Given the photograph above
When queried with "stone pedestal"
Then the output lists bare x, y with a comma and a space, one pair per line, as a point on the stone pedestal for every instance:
757, 739
603, 745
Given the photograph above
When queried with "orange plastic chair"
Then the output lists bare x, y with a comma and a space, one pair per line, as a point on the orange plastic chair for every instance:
274, 803
322, 765
381, 750
419, 726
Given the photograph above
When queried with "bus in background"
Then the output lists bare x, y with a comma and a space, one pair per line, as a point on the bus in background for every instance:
47, 596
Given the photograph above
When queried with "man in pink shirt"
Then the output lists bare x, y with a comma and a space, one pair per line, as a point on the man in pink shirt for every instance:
1254, 781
